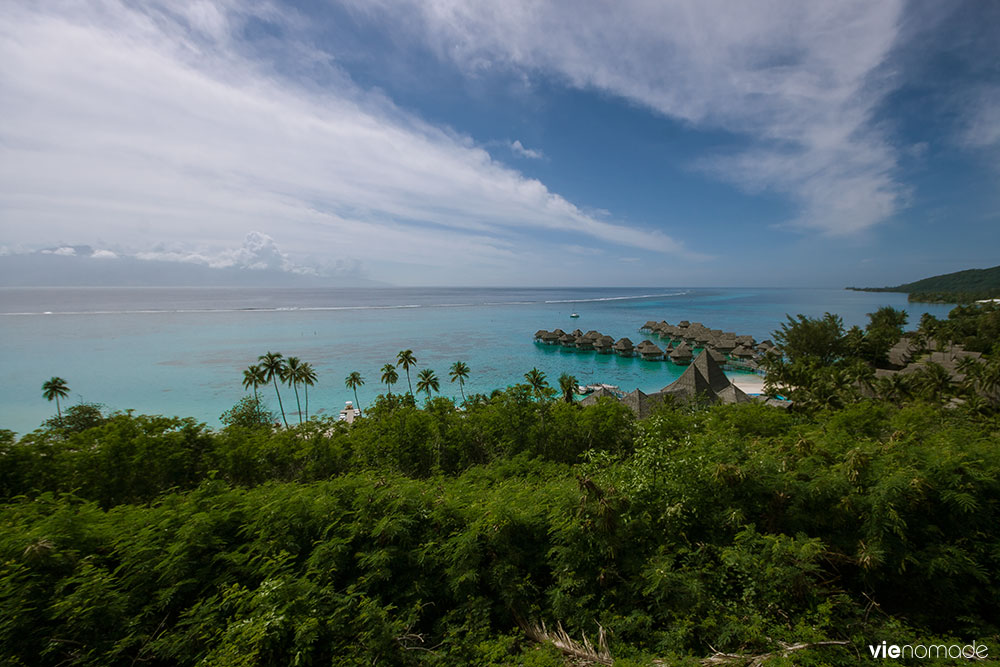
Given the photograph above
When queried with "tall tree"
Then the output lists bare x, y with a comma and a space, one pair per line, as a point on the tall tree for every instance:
291, 377
459, 372
55, 388
353, 381
536, 379
273, 365
406, 359
427, 381
254, 376
567, 383
307, 376
389, 377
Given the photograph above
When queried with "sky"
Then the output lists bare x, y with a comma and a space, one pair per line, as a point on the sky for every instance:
438, 142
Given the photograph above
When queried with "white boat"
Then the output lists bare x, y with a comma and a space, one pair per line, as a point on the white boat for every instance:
574, 315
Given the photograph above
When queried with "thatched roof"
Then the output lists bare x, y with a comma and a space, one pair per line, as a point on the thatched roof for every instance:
605, 340
567, 339
592, 334
577, 333
559, 332
641, 404
746, 340
584, 343
600, 393
540, 333
683, 324
624, 344
704, 380
649, 349
648, 325
733, 394
742, 352
902, 352
717, 356
682, 351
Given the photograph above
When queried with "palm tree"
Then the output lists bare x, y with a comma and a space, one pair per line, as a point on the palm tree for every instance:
254, 376
568, 385
273, 365
406, 359
353, 381
307, 376
536, 379
459, 371
389, 377
427, 381
55, 388
291, 378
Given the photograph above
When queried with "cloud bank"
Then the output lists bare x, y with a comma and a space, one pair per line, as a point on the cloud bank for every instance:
160, 123
801, 81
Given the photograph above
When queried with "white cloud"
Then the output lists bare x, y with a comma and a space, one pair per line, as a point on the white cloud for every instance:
982, 118
518, 148
104, 254
64, 251
799, 79
148, 124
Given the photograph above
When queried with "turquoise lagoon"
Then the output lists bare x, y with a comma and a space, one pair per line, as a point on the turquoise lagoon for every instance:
182, 351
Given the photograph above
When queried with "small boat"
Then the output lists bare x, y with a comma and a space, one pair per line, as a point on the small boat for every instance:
574, 315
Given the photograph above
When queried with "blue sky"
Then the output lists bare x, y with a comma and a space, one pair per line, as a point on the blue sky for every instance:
437, 142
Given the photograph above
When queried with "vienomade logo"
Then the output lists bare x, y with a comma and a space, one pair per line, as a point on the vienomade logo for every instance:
973, 651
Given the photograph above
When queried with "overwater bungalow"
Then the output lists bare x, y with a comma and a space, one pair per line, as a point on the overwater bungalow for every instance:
585, 342
746, 340
604, 344
567, 340
683, 324
743, 353
681, 354
592, 334
547, 337
648, 326
558, 332
624, 347
577, 333
649, 350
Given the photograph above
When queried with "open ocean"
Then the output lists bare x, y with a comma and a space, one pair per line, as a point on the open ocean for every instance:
182, 351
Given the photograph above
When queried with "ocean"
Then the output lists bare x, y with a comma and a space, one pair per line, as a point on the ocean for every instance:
182, 351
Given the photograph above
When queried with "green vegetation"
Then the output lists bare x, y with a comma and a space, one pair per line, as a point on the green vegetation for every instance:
406, 359
959, 287
353, 381
442, 536
459, 372
55, 388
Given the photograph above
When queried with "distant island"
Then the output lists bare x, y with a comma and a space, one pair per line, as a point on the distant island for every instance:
959, 287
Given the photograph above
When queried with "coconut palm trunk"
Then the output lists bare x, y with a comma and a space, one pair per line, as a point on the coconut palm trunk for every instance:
280, 404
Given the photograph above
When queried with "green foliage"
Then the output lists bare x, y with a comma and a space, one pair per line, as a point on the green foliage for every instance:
812, 339
433, 535
970, 280
248, 412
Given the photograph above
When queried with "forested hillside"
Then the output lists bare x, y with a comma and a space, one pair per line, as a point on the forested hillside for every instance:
961, 286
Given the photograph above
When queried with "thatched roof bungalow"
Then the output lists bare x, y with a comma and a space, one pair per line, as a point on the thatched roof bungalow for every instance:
567, 340
681, 354
649, 350
624, 347
742, 352
648, 326
704, 380
604, 344
585, 343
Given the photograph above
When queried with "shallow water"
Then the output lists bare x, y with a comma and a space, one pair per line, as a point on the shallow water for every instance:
183, 350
